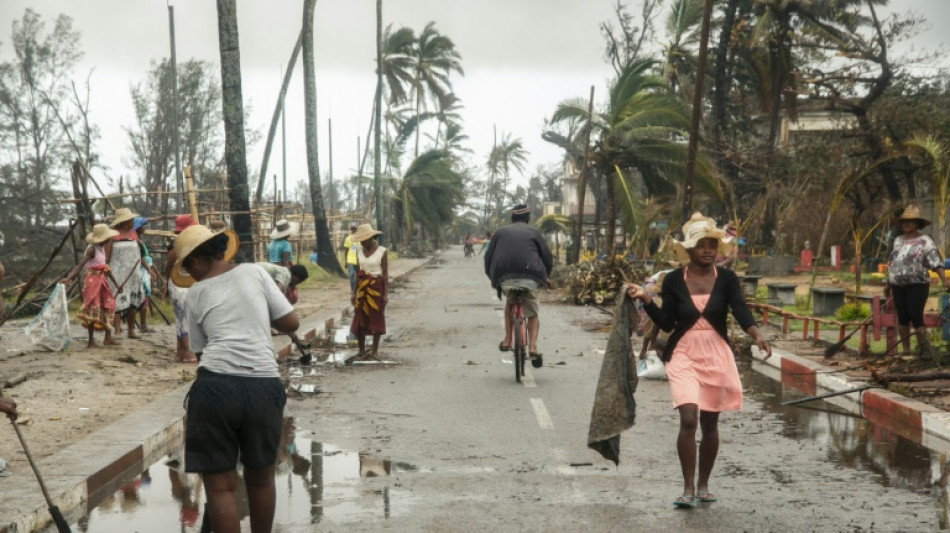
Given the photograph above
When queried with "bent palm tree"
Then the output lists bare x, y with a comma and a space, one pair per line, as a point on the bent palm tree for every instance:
428, 193
435, 59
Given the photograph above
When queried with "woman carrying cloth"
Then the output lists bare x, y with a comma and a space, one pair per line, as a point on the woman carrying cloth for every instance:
125, 260
371, 295
235, 406
98, 304
701, 367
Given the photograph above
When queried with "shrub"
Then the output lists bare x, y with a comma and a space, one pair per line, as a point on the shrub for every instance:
801, 302
852, 312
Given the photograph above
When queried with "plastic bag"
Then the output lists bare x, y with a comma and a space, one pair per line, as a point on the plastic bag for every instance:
50, 328
651, 367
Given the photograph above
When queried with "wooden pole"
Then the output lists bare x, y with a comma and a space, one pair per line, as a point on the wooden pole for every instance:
190, 187
697, 112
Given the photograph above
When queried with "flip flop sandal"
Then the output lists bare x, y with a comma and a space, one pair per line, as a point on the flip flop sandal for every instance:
502, 347
685, 502
706, 497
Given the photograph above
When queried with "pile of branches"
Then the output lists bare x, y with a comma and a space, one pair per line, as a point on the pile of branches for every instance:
597, 282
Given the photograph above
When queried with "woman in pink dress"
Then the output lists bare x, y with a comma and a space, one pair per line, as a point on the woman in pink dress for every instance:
704, 380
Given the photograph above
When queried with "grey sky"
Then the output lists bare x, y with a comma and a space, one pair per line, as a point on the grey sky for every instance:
521, 57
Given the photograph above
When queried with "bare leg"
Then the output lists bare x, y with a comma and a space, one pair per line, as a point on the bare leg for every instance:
220, 489
686, 446
182, 351
534, 326
708, 447
904, 333
130, 323
509, 331
376, 337
361, 343
261, 496
109, 341
92, 338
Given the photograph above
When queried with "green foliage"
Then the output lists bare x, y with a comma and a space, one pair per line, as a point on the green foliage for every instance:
761, 295
802, 303
852, 312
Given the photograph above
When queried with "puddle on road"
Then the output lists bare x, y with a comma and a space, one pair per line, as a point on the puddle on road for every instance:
314, 482
854, 442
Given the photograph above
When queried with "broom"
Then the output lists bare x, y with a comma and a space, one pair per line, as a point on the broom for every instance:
61, 525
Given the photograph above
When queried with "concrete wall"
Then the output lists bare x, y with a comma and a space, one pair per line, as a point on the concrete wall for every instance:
778, 265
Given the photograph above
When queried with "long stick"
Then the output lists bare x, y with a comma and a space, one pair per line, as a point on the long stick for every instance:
61, 523
829, 395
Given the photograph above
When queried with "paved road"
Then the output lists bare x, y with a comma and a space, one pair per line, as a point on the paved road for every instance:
468, 449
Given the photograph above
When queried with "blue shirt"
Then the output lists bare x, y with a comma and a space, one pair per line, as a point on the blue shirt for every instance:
277, 249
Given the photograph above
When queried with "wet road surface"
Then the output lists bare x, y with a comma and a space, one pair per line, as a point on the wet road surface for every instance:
447, 441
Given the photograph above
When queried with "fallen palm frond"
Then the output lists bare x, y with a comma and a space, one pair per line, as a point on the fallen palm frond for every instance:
597, 282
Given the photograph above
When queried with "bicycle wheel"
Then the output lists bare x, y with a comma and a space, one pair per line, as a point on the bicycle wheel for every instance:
519, 350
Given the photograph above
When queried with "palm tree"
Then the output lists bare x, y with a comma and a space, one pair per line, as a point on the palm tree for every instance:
509, 154
681, 25
428, 193
556, 224
938, 155
326, 253
640, 129
435, 60
235, 156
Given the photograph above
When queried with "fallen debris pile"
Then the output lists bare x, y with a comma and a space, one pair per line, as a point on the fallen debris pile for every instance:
597, 282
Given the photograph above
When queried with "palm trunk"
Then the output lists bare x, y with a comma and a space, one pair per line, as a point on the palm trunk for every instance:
377, 191
275, 118
326, 257
609, 238
582, 184
233, 110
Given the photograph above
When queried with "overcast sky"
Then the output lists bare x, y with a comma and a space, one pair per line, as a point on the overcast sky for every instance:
521, 57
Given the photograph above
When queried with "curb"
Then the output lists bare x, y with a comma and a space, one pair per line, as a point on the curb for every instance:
80, 476
908, 418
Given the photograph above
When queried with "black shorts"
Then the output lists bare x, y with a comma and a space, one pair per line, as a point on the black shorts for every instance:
230, 417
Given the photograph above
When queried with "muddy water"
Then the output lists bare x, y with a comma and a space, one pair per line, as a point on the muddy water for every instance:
853, 442
314, 481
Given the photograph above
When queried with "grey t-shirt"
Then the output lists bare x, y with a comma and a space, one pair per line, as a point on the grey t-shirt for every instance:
229, 318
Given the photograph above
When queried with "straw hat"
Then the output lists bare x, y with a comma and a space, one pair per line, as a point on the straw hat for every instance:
911, 212
363, 232
186, 242
282, 229
697, 228
100, 233
182, 222
123, 214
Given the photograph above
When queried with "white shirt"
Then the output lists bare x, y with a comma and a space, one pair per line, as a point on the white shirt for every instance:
229, 318
372, 264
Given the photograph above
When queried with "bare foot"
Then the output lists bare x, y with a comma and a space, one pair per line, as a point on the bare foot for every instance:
133, 335
111, 342
146, 330
92, 345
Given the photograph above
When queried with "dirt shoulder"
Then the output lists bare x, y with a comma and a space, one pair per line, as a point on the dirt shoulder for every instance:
70, 394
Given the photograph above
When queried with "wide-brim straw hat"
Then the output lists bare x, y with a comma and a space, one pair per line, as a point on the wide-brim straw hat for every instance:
363, 232
187, 241
697, 228
122, 214
283, 228
100, 233
912, 212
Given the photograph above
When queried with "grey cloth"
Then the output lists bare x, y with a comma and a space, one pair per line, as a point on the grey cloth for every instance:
615, 409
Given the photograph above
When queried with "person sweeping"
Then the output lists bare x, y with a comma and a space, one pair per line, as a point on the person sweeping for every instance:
98, 302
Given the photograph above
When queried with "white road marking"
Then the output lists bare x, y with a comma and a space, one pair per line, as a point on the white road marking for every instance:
541, 413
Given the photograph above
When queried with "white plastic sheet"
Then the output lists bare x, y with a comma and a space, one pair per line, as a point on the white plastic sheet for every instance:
651, 367
50, 328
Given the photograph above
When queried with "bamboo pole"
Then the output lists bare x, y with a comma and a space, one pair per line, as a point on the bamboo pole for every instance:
190, 187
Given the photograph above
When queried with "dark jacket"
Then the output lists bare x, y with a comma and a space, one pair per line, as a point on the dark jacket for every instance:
518, 251
679, 314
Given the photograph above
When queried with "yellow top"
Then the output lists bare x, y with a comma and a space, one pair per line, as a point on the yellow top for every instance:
351, 248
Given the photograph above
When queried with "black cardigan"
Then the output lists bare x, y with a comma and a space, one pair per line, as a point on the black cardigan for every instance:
679, 314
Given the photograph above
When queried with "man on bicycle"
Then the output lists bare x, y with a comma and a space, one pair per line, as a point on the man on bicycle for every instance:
518, 258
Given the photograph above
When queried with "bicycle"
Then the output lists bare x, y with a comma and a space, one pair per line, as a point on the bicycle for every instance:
520, 325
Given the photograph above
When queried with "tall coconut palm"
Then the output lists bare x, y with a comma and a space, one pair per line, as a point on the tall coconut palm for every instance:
326, 253
435, 59
506, 156
938, 155
640, 128
681, 26
428, 193
235, 156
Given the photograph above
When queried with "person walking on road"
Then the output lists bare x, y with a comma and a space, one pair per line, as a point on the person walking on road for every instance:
351, 248
700, 365
518, 258
236, 403
908, 279
125, 261
279, 250
371, 295
98, 302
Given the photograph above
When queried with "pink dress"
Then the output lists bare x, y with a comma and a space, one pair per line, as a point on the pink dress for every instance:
702, 369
